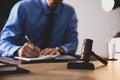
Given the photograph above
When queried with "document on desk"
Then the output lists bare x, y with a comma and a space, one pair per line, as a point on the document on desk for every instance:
48, 57
37, 58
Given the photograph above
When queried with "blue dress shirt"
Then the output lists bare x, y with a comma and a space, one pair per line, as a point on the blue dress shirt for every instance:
28, 17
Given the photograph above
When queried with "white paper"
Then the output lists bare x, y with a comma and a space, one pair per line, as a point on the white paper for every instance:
37, 58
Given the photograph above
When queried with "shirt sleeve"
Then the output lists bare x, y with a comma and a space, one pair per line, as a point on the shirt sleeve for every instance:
71, 36
12, 32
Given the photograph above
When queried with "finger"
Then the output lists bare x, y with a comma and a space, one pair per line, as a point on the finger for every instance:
37, 50
57, 54
32, 53
25, 54
22, 50
42, 52
53, 52
34, 50
29, 52
47, 51
28, 48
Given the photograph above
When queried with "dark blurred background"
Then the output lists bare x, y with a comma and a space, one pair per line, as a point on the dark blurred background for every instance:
5, 7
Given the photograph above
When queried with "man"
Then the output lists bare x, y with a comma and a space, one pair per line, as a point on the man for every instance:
29, 17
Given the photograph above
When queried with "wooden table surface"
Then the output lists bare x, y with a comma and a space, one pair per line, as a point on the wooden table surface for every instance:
59, 71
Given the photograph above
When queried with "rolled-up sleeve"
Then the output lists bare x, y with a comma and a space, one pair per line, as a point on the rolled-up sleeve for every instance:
10, 35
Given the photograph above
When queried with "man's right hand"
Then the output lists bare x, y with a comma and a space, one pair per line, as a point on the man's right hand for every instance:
29, 50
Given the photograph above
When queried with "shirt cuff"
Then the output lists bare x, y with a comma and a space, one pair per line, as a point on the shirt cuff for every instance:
65, 49
13, 50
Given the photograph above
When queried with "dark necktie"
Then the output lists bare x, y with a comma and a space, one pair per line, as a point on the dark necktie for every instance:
48, 30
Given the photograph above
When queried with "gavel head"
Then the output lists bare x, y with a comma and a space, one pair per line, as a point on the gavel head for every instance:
87, 49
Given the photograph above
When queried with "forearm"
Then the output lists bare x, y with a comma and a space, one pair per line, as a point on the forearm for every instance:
7, 49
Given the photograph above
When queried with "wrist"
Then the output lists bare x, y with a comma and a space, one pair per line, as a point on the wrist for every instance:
61, 50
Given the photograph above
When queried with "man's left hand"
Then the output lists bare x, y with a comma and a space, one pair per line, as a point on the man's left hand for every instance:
50, 51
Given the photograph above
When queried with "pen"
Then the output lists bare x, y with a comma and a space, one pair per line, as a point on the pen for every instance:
26, 37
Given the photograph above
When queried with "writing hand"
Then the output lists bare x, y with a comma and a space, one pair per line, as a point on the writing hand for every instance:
29, 50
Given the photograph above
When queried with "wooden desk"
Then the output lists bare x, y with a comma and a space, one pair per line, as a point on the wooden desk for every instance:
58, 71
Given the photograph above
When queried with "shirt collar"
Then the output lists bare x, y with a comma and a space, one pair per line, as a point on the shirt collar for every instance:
47, 10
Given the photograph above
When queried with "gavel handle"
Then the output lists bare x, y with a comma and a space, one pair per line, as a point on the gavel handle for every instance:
99, 58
